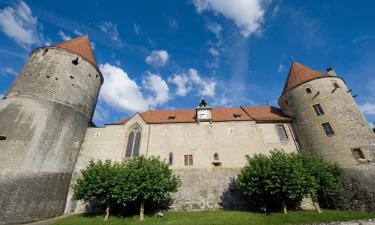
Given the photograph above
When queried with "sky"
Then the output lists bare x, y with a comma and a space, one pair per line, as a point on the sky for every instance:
166, 54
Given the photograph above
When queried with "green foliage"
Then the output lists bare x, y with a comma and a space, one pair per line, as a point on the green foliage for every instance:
98, 180
282, 177
146, 179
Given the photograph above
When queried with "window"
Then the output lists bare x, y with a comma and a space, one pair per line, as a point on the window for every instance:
286, 102
328, 129
281, 132
75, 62
237, 115
188, 160
171, 117
216, 156
134, 140
358, 153
336, 85
170, 159
3, 138
308, 90
318, 110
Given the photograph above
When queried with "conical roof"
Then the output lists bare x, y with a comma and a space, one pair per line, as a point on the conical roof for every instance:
299, 74
80, 45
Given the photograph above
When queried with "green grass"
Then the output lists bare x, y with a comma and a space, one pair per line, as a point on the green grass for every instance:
221, 217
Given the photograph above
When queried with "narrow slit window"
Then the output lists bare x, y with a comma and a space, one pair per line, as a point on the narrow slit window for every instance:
318, 110
216, 156
328, 129
358, 153
281, 132
170, 159
336, 85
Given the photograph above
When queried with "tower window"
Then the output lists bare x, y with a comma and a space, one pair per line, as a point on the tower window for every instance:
170, 159
216, 156
308, 90
75, 62
318, 110
134, 140
3, 138
188, 160
358, 153
281, 132
328, 129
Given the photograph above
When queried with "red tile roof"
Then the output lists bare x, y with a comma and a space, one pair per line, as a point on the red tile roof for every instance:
80, 45
243, 113
299, 74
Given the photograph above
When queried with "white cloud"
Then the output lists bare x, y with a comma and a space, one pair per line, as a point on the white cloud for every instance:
246, 14
368, 108
280, 68
8, 70
136, 28
77, 32
172, 22
121, 92
214, 51
157, 58
186, 82
159, 88
64, 36
215, 28
19, 24
182, 83
111, 30
101, 114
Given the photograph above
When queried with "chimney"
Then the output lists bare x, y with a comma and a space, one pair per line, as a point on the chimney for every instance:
331, 72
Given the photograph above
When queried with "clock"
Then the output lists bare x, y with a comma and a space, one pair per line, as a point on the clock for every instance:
204, 114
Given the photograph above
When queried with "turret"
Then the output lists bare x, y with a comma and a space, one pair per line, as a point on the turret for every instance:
328, 123
43, 119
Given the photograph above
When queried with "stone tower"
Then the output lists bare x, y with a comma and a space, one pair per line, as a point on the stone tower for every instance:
43, 118
328, 122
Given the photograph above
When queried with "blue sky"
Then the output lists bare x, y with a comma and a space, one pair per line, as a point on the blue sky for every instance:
165, 53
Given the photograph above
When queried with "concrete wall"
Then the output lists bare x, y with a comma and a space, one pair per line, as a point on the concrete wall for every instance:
351, 131
44, 118
204, 182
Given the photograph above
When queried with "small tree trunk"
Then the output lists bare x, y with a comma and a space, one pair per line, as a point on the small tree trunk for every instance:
142, 211
316, 205
106, 217
285, 211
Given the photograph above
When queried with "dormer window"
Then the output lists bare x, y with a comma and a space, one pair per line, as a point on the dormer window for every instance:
171, 117
237, 115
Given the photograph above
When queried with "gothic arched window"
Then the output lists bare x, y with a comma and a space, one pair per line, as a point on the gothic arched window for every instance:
134, 140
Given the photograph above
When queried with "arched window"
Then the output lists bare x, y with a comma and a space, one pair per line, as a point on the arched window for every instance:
216, 156
134, 140
308, 90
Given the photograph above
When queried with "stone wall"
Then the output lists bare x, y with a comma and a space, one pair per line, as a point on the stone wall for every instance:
43, 119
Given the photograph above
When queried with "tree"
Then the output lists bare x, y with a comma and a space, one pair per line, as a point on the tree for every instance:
277, 177
328, 177
146, 179
284, 177
98, 181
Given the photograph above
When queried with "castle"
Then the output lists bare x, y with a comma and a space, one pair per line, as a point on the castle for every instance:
47, 137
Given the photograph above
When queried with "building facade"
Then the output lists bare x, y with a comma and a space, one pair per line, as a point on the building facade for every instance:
47, 136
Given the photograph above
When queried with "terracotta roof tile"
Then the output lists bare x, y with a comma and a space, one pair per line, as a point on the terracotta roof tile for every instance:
266, 113
80, 45
245, 113
299, 74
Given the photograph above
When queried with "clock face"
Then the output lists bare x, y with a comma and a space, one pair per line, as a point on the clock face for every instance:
203, 114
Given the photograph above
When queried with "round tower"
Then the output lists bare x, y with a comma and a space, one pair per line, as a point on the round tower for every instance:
43, 119
328, 122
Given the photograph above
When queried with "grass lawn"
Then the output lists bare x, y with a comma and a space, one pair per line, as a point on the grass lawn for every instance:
221, 217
